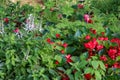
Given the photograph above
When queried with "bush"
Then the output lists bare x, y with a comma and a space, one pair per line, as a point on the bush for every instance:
58, 42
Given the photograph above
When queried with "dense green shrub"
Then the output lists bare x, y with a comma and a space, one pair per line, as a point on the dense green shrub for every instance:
63, 41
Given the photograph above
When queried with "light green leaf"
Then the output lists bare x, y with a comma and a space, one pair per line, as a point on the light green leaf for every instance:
89, 70
98, 75
95, 64
102, 66
58, 57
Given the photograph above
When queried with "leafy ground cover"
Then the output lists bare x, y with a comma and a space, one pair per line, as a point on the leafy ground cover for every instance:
60, 40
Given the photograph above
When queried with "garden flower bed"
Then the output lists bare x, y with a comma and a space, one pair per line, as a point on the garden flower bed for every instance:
60, 40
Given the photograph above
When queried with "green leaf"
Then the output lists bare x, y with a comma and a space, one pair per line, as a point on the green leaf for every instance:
77, 34
53, 72
58, 57
67, 10
102, 66
84, 56
98, 75
59, 48
77, 75
89, 70
102, 72
70, 49
95, 64
82, 64
118, 58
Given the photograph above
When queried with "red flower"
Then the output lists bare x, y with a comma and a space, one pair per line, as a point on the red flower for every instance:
65, 45
57, 35
116, 65
116, 40
99, 47
103, 38
87, 76
87, 37
56, 62
49, 41
106, 65
6, 20
91, 44
86, 17
16, 30
80, 6
90, 21
93, 30
62, 51
112, 53
103, 58
103, 33
68, 58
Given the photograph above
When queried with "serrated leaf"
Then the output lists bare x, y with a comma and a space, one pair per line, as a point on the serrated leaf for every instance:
58, 57
82, 64
89, 70
98, 75
77, 75
95, 64
102, 66
83, 56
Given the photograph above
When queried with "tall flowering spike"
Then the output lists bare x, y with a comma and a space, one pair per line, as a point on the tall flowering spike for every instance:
30, 25
68, 58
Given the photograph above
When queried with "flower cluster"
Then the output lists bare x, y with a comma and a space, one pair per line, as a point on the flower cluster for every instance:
87, 18
64, 45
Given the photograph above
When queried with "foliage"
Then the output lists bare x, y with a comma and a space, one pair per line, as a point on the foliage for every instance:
69, 41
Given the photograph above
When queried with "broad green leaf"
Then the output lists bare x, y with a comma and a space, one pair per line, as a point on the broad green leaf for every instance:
58, 57
98, 75
89, 70
102, 66
95, 64
84, 56
77, 75
70, 49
